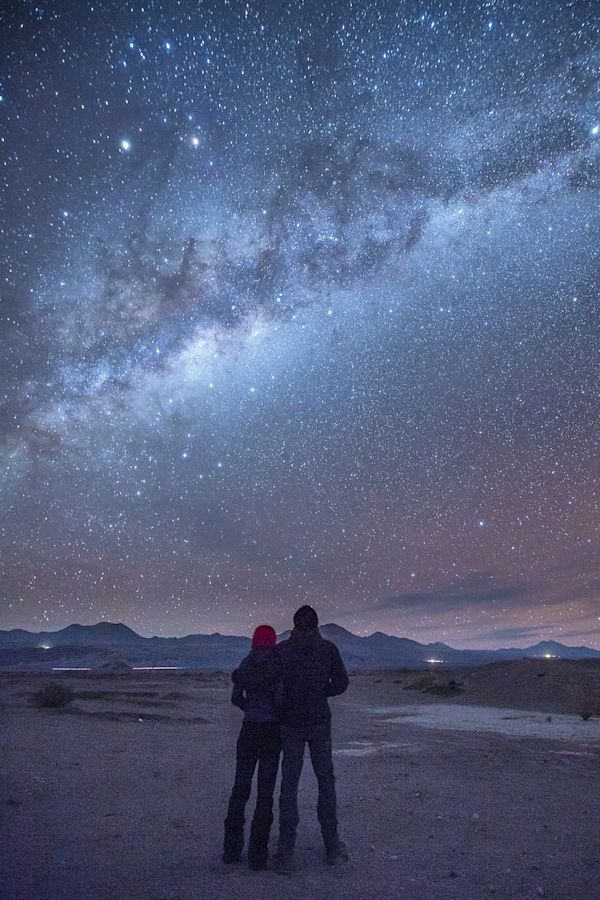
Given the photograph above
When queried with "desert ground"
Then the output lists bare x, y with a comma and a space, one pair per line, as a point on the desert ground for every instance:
472, 784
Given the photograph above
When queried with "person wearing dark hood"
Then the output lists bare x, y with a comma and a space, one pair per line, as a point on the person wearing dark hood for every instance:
312, 671
257, 690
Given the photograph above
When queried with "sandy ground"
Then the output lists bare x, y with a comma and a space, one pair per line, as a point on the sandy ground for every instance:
123, 794
513, 722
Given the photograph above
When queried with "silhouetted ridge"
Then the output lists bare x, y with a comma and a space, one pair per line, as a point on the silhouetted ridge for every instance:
102, 631
96, 645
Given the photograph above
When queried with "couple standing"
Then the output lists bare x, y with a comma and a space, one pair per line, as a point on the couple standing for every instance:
283, 692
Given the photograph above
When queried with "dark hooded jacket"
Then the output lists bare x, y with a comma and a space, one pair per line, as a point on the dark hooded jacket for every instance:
257, 687
312, 671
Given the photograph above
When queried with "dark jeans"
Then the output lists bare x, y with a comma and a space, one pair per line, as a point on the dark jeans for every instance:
293, 740
259, 742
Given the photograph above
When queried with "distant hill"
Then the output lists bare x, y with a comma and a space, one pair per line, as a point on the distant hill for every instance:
98, 645
101, 633
387, 651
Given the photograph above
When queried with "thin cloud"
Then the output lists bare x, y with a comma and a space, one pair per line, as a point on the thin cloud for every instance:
480, 588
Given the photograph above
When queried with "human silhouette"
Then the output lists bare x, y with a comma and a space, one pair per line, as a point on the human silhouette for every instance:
257, 691
312, 670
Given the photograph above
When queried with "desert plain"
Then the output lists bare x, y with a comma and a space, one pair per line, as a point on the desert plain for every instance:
451, 785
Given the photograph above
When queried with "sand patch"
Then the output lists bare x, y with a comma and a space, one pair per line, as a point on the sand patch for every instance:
366, 748
110, 715
511, 722
116, 808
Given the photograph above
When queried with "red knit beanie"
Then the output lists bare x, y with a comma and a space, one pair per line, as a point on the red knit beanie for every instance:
264, 636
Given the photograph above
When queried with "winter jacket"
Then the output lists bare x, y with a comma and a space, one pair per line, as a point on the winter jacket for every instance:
257, 687
312, 671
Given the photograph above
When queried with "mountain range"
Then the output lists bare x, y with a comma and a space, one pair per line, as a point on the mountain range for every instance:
95, 646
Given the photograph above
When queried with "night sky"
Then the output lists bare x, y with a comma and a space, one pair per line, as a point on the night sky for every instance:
299, 304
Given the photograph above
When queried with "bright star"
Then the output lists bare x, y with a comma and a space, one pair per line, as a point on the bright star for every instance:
125, 145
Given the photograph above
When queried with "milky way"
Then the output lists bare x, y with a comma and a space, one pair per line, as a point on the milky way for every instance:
300, 304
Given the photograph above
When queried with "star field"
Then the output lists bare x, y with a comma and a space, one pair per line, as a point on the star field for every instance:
299, 303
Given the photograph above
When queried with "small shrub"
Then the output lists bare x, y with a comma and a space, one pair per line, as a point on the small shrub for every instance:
52, 696
445, 690
585, 714
419, 684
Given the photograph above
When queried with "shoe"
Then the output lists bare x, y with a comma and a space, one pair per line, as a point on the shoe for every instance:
283, 862
233, 844
337, 853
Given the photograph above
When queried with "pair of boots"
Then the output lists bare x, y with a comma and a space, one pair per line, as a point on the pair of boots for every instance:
233, 845
335, 852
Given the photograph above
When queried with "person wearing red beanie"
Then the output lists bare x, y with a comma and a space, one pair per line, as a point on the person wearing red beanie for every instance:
264, 636
257, 690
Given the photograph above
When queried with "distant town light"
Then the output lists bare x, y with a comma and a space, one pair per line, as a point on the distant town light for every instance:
434, 660
134, 668
71, 669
